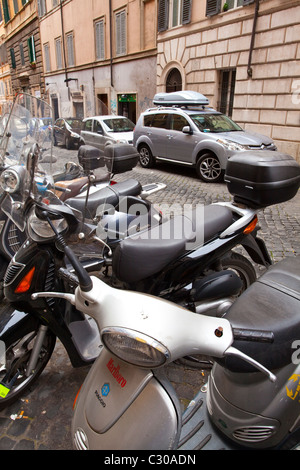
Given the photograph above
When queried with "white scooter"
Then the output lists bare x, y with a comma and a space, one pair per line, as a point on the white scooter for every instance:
253, 394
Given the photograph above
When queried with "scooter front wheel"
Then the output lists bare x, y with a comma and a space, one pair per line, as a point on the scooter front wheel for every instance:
14, 363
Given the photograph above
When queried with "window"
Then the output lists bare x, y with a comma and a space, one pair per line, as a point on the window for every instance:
213, 7
58, 53
6, 12
173, 13
70, 50
99, 39
42, 7
178, 122
88, 125
13, 58
160, 120
227, 86
22, 57
47, 57
31, 50
121, 33
16, 6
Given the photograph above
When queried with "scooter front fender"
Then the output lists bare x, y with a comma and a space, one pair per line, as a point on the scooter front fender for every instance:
121, 406
12, 321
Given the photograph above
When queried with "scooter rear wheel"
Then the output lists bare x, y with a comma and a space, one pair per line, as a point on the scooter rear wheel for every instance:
13, 366
242, 267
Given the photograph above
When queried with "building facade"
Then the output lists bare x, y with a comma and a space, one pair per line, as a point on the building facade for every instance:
244, 55
22, 39
99, 56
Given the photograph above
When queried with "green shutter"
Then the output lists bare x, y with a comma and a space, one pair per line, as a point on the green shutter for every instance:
6, 11
13, 58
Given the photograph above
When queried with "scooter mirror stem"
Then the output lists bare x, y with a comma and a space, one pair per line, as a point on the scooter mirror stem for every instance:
235, 352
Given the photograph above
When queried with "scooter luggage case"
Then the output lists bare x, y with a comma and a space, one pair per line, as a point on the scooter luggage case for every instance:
120, 157
262, 178
90, 158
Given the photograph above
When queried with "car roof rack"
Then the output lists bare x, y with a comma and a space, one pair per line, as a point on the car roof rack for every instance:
180, 99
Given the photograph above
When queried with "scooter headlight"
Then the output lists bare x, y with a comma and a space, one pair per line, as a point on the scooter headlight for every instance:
134, 347
10, 180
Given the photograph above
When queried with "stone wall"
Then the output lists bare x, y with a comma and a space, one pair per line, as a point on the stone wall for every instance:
269, 101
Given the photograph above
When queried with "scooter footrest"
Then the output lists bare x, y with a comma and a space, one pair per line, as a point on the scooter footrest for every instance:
197, 431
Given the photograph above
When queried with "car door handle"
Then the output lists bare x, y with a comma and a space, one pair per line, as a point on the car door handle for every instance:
170, 136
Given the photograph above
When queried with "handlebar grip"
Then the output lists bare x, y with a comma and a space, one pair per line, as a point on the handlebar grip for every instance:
243, 334
85, 281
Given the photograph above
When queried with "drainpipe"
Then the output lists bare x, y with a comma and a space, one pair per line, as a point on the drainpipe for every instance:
63, 42
111, 48
249, 68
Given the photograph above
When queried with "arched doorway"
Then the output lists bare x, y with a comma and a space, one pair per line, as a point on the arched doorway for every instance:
174, 81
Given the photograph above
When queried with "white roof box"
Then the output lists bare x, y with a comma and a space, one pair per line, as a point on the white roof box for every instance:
180, 98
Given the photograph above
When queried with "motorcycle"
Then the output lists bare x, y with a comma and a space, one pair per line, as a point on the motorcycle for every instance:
30, 329
251, 400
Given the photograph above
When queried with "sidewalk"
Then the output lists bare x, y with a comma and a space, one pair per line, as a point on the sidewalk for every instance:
41, 419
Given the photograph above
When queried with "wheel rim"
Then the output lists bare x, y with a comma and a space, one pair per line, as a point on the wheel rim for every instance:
144, 156
210, 168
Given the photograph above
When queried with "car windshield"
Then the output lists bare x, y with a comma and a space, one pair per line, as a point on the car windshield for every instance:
119, 124
215, 123
74, 123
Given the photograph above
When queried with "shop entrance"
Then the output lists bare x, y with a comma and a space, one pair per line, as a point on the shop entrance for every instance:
127, 106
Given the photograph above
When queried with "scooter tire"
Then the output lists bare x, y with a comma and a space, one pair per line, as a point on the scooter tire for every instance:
242, 267
18, 362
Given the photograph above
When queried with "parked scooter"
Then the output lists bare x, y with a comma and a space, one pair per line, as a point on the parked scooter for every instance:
252, 397
29, 333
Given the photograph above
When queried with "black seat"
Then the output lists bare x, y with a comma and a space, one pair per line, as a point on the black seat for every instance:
271, 304
141, 256
110, 195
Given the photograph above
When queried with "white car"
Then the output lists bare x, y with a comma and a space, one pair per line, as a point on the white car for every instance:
100, 131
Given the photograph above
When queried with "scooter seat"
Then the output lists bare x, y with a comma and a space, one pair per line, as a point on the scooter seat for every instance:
145, 254
271, 304
109, 195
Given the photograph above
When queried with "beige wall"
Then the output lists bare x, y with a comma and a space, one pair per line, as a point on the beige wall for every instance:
269, 102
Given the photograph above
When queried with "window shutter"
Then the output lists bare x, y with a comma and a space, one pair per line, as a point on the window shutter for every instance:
186, 11
163, 15
99, 31
6, 11
31, 49
13, 58
121, 33
213, 7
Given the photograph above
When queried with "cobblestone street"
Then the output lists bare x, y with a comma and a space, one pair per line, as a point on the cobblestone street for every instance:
42, 418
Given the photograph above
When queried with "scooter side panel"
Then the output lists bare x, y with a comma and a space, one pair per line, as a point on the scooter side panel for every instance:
123, 407
244, 404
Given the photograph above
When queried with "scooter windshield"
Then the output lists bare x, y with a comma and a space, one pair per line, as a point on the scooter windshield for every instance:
25, 143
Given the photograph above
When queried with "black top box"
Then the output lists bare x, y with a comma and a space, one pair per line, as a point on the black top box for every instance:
262, 178
118, 158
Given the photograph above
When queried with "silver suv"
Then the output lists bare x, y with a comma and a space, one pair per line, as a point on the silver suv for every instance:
183, 130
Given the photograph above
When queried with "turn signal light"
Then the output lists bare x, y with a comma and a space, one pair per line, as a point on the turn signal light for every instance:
251, 226
25, 284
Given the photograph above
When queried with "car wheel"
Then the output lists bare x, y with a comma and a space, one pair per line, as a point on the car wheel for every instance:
146, 157
208, 168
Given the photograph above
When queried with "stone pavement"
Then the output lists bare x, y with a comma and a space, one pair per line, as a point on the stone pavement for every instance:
41, 419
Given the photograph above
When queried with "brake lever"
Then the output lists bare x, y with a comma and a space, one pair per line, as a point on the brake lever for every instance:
231, 351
